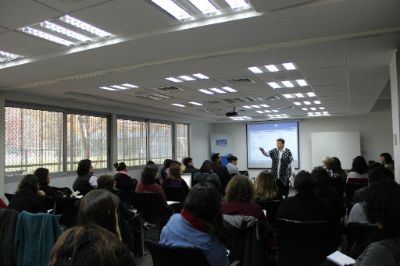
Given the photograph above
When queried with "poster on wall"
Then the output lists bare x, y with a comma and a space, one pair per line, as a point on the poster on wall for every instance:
221, 143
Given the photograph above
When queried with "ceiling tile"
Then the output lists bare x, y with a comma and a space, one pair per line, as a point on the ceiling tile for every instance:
18, 13
71, 5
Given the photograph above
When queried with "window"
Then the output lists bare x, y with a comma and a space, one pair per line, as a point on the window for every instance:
182, 141
86, 139
160, 139
131, 142
33, 138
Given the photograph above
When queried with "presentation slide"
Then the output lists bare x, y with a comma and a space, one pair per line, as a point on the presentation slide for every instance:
265, 135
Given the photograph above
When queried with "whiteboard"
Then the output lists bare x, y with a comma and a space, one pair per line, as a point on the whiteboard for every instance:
344, 145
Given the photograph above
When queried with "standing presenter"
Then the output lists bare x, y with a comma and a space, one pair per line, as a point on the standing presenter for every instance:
281, 164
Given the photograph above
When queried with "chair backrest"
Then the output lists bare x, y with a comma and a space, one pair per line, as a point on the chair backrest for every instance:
304, 242
349, 190
271, 206
175, 194
9, 196
358, 232
148, 204
178, 256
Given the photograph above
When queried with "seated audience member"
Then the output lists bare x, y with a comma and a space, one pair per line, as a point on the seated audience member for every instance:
150, 163
2, 204
164, 169
358, 172
148, 183
387, 161
29, 198
189, 168
123, 180
220, 170
85, 181
97, 239
199, 225
239, 199
375, 175
106, 182
206, 174
232, 165
326, 192
43, 177
306, 205
174, 178
382, 208
338, 175
325, 162
266, 187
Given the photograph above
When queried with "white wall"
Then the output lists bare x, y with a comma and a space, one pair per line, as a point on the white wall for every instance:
395, 100
375, 130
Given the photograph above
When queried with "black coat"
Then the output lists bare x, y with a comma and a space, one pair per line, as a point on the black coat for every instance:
306, 206
223, 174
335, 199
8, 223
30, 202
82, 184
191, 170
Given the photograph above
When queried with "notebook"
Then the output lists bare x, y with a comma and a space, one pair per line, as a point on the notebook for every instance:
340, 259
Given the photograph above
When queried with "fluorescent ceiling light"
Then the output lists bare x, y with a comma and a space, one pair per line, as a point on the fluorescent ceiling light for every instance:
107, 88
178, 104
119, 87
325, 113
238, 4
229, 89
85, 26
6, 57
187, 78
275, 111
64, 31
289, 66
255, 106
297, 103
317, 102
272, 68
217, 90
267, 111
304, 109
307, 103
205, 7
302, 82
318, 113
313, 108
130, 85
173, 9
46, 36
322, 108
288, 96
299, 95
310, 94
206, 91
287, 84
196, 103
274, 85
201, 76
246, 106
174, 79
255, 70
264, 105
260, 112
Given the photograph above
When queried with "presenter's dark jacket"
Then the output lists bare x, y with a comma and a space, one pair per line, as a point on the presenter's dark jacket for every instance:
285, 169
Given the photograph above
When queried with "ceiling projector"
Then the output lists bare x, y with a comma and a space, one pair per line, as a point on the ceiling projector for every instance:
233, 113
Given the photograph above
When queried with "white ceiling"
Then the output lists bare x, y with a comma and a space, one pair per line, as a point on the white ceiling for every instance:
342, 49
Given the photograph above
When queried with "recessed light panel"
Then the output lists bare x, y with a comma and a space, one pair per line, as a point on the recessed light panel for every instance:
8, 57
289, 66
119, 87
274, 85
272, 68
66, 30
255, 70
178, 105
206, 91
183, 78
196, 103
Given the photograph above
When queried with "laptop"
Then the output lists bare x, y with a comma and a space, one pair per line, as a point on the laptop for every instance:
188, 179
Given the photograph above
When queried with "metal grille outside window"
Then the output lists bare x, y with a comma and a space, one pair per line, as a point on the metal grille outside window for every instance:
182, 141
131, 142
86, 139
33, 138
160, 139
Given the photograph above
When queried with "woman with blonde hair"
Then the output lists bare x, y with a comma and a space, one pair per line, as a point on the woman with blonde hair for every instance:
266, 187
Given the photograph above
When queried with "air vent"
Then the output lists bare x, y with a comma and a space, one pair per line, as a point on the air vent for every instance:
154, 96
235, 100
240, 81
169, 89
288, 108
272, 98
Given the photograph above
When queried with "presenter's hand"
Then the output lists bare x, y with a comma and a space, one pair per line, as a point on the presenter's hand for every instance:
262, 150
